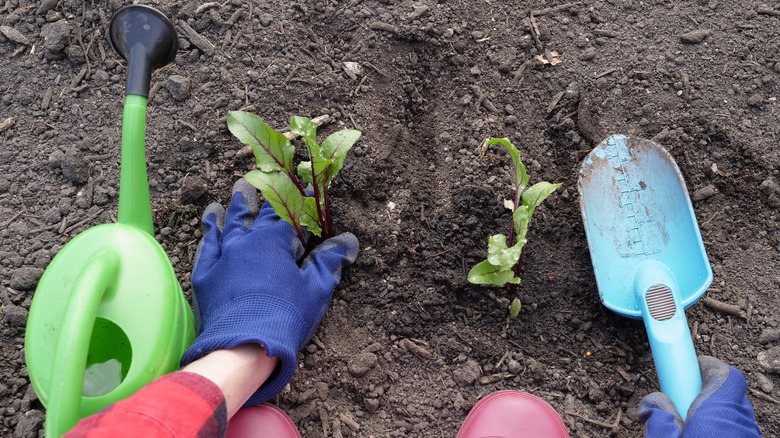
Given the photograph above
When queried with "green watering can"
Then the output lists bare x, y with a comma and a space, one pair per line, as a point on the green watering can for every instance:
109, 315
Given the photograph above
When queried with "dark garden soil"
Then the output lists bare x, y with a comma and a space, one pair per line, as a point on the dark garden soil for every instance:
409, 345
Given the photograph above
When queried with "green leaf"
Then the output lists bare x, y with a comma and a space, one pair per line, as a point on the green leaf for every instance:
273, 152
487, 273
335, 148
309, 218
303, 127
514, 308
521, 176
522, 220
304, 170
284, 197
500, 255
538, 192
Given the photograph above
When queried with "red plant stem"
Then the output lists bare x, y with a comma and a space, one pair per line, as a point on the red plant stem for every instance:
331, 230
320, 214
302, 239
295, 181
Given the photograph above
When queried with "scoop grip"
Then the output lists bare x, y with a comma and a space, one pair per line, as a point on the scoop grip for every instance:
670, 338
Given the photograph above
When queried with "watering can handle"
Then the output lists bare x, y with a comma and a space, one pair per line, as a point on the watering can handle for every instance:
670, 338
70, 355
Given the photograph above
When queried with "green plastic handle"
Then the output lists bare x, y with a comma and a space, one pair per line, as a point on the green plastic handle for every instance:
70, 355
135, 208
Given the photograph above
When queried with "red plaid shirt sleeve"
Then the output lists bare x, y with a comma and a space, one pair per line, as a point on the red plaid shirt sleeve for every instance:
180, 405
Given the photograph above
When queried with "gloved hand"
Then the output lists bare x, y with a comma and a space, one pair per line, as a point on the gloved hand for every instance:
248, 287
720, 410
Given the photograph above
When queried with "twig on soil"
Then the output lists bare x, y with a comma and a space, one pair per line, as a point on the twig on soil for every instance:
197, 39
554, 102
711, 218
763, 10
82, 222
357, 89
612, 426
501, 361
375, 69
553, 9
9, 221
729, 309
763, 396
350, 422
686, 87
535, 32
354, 124
205, 6
441, 252
86, 57
290, 75
604, 73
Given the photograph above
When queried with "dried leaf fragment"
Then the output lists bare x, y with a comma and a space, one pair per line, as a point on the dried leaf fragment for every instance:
7, 124
14, 35
352, 69
552, 58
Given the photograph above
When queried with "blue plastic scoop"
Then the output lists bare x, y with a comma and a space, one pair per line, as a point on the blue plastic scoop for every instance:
647, 251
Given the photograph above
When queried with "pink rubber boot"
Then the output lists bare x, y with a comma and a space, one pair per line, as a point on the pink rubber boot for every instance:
512, 414
262, 421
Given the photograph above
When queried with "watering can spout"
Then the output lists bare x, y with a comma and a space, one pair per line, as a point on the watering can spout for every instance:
146, 39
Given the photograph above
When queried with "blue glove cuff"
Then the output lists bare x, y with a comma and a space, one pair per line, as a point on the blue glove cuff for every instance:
261, 319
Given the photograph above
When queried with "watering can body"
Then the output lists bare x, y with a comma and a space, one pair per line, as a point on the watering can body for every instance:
93, 337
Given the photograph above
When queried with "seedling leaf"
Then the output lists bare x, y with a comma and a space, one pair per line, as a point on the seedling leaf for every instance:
273, 152
487, 273
500, 255
284, 197
303, 127
522, 220
520, 176
538, 192
335, 148
514, 308
309, 216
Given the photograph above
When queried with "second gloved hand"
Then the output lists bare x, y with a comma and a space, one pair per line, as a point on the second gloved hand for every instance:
249, 288
720, 410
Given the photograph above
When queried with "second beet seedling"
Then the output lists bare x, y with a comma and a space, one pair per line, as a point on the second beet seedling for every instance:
504, 262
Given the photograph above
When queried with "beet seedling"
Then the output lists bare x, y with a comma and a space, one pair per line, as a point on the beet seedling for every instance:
276, 177
504, 263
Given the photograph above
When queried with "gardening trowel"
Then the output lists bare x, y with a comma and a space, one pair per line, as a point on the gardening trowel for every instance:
647, 251
109, 315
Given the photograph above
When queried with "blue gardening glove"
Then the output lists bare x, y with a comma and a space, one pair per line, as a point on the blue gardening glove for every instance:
248, 286
720, 410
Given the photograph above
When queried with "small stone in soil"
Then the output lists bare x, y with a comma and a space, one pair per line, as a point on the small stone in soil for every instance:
770, 359
695, 36
769, 335
179, 87
703, 193
25, 278
467, 373
14, 316
764, 383
75, 167
361, 364
193, 188
28, 424
755, 100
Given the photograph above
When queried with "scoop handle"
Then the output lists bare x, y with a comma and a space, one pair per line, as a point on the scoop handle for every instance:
670, 338
70, 355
